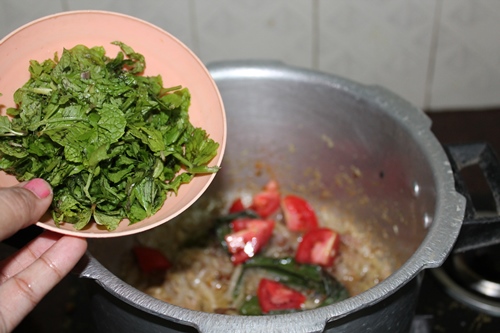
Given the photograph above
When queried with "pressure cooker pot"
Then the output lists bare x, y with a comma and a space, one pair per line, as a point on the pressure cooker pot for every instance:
360, 154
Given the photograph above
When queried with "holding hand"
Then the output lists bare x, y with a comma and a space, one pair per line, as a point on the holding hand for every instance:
28, 275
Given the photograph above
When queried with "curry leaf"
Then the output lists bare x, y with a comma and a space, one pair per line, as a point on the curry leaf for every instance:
290, 272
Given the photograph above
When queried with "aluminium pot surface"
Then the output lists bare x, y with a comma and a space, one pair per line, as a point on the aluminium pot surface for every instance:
355, 150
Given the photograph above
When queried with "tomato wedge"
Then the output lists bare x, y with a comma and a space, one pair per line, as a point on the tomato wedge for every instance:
267, 201
298, 213
274, 296
237, 206
319, 247
150, 260
248, 238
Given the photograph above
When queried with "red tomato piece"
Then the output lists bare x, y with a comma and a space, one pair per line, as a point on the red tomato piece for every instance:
237, 206
319, 247
298, 213
267, 201
275, 296
150, 260
248, 238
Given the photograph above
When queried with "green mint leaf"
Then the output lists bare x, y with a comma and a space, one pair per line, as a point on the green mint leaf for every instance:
200, 149
112, 143
111, 222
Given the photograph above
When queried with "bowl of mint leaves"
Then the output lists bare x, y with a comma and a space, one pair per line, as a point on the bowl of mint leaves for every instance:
119, 116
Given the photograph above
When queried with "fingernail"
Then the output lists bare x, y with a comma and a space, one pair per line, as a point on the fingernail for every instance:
39, 187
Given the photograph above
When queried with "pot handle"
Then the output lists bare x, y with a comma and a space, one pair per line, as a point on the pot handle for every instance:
477, 231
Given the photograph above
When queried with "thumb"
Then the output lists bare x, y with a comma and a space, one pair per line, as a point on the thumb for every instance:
23, 205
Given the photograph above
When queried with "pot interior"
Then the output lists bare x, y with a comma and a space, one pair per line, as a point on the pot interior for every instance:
358, 165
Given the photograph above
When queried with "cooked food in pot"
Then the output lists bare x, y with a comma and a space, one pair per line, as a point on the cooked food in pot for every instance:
265, 252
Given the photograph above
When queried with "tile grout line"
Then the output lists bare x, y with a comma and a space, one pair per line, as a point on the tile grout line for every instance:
315, 35
431, 65
193, 25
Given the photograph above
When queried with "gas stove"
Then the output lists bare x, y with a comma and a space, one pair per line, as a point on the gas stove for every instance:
463, 295
449, 304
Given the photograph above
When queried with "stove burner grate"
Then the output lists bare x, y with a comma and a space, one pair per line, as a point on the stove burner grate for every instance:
473, 279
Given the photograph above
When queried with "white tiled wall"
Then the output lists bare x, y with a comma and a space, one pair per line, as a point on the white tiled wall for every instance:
378, 42
467, 70
438, 54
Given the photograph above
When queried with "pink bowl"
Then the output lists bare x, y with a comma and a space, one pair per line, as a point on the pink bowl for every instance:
164, 54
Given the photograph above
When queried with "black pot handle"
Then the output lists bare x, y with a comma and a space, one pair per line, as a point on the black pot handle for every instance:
477, 231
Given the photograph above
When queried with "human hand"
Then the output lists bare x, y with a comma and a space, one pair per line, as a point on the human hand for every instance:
28, 275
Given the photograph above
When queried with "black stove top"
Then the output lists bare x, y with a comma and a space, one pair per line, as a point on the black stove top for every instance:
439, 312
